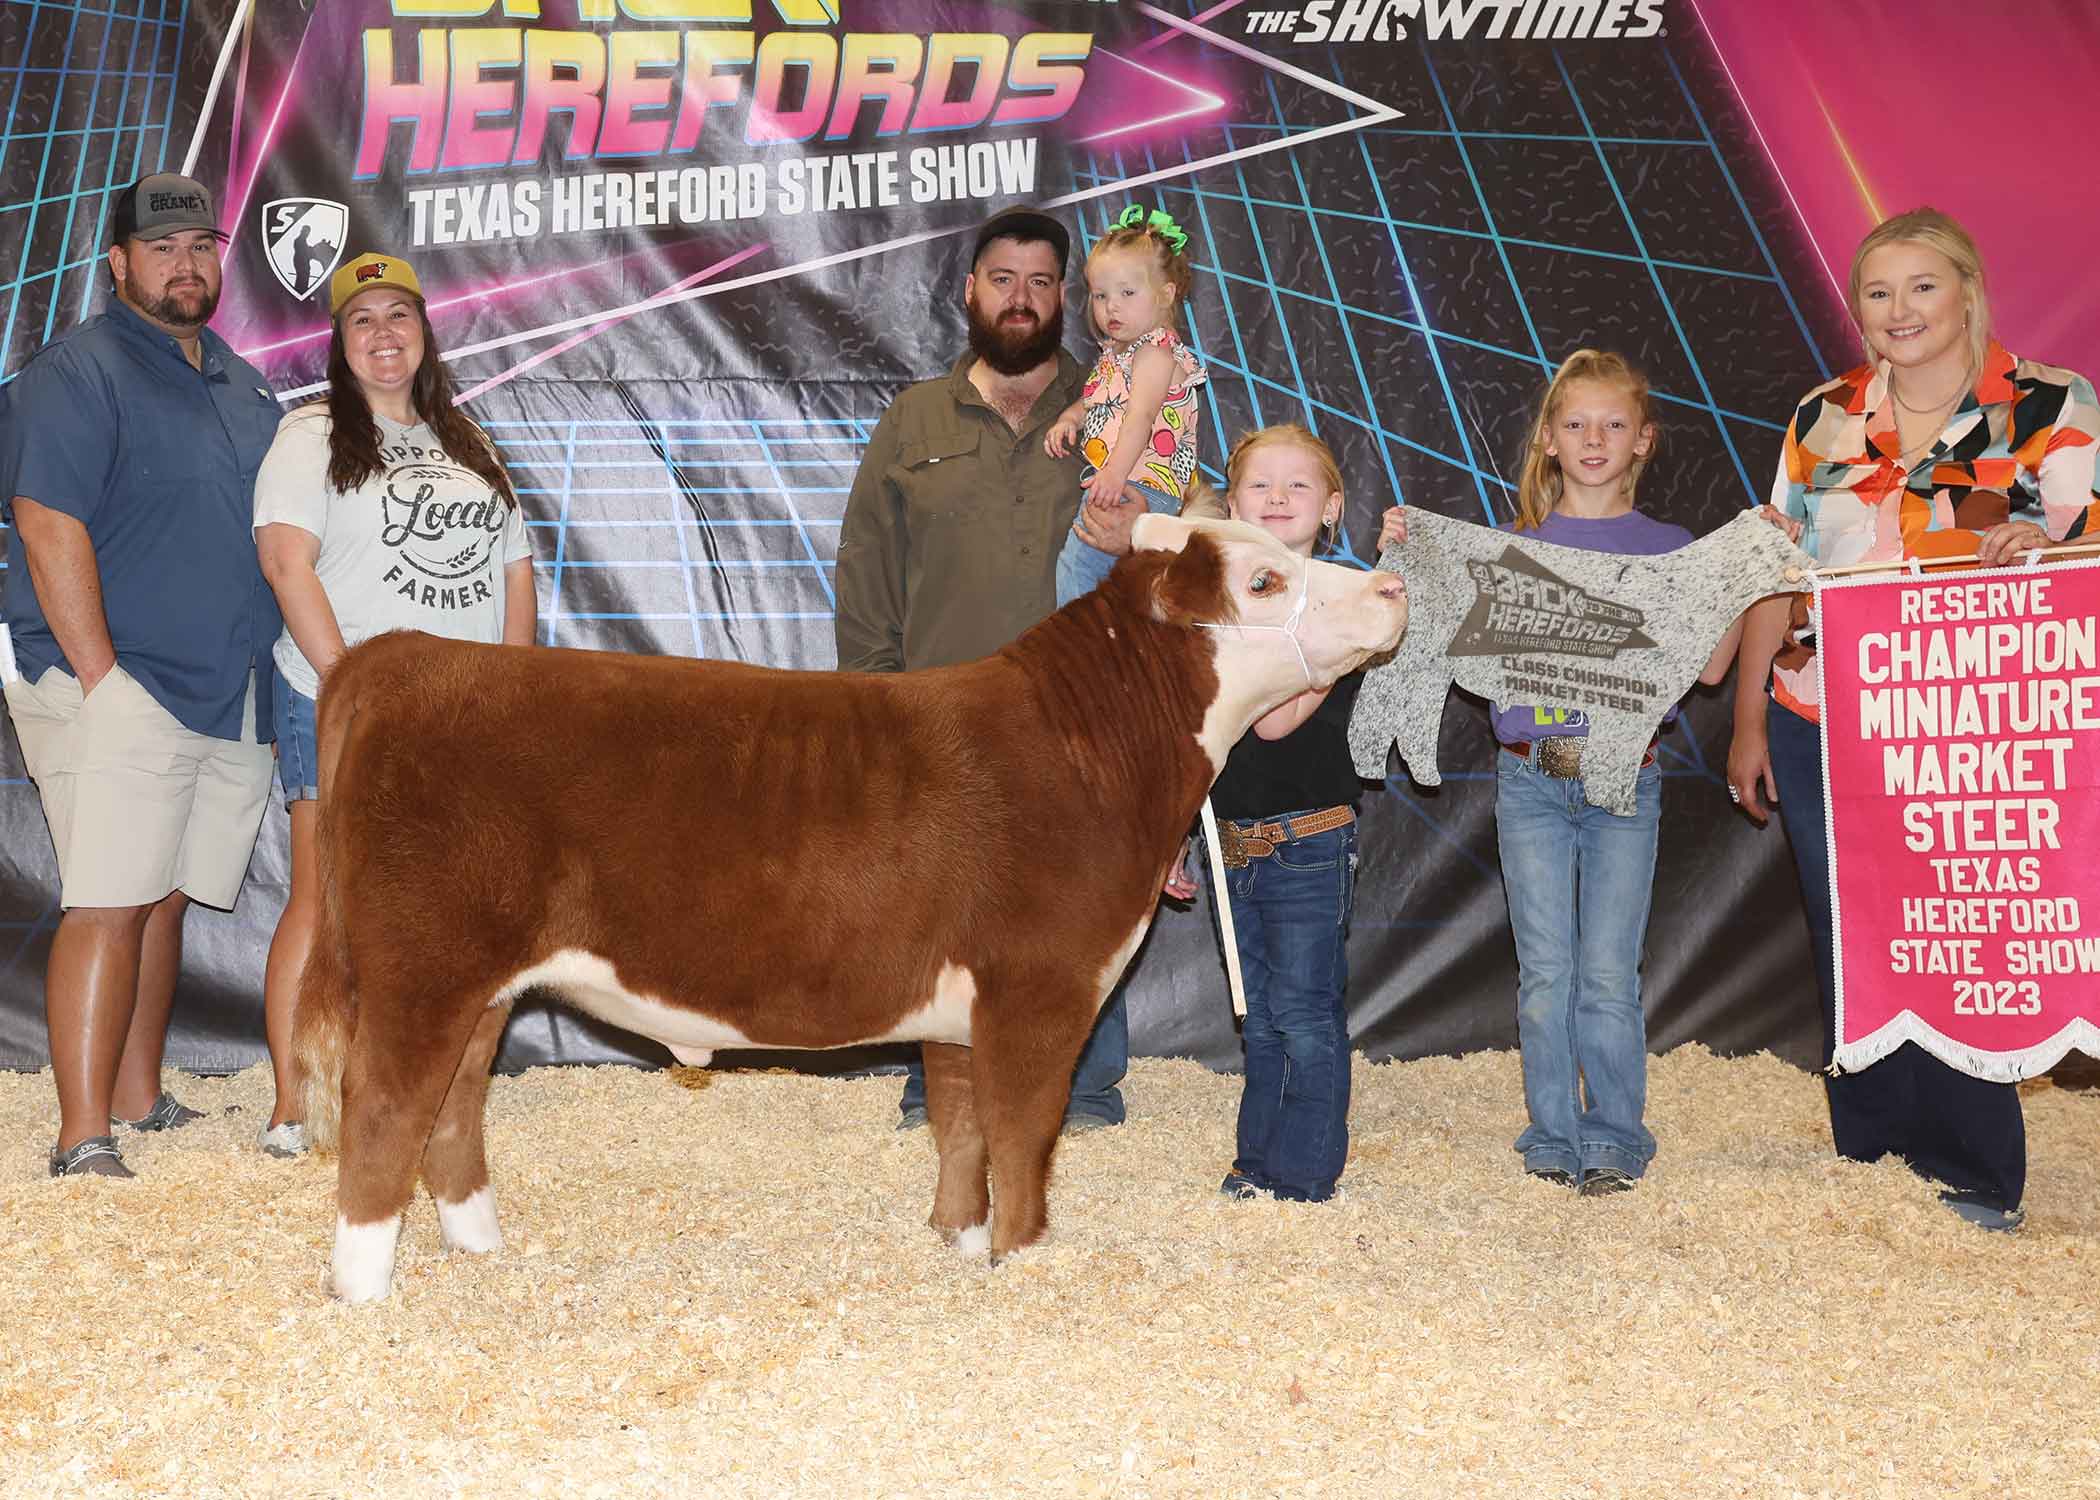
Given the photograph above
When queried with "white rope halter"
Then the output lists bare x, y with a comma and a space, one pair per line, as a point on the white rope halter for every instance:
1288, 629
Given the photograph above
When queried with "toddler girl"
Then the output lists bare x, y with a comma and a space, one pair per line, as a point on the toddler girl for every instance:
1135, 421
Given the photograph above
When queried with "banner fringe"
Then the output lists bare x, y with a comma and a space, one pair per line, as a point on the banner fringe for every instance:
2079, 1035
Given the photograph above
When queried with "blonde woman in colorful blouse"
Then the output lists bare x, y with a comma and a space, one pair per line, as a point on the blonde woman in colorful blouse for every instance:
1942, 445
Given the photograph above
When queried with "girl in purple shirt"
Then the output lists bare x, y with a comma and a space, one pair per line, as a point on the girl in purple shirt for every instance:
1579, 878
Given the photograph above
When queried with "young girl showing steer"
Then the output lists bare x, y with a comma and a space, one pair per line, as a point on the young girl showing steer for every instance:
1286, 807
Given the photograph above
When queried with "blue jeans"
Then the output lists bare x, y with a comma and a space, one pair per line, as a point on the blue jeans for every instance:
1579, 880
298, 758
1096, 1078
1290, 918
1963, 1131
1081, 565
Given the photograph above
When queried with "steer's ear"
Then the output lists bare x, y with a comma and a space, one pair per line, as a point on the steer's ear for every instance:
1153, 532
1190, 587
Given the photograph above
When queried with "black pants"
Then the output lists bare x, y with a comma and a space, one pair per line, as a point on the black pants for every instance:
1961, 1131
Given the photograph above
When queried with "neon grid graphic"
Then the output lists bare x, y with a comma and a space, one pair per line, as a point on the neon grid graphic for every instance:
1269, 390
764, 495
105, 79
717, 536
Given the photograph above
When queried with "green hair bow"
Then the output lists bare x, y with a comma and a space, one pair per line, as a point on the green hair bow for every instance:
1158, 221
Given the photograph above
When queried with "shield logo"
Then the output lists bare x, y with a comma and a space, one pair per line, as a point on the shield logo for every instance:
303, 239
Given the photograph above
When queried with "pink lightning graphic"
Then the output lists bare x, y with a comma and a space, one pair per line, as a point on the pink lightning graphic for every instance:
704, 274
1979, 142
1202, 102
1138, 99
485, 292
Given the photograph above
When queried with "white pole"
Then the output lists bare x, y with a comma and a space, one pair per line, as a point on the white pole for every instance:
1217, 877
211, 95
2030, 557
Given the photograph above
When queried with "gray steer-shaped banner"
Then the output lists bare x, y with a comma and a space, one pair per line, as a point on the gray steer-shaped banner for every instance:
1523, 621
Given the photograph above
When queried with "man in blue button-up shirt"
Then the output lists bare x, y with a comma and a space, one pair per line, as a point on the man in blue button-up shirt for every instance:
140, 630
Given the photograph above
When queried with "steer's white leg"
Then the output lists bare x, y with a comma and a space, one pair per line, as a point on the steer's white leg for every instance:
973, 1242
470, 1225
362, 1269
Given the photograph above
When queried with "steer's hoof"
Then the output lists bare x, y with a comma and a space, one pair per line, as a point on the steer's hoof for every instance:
362, 1268
970, 1241
356, 1295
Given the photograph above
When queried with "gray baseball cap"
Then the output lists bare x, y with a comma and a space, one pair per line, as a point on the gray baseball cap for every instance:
162, 204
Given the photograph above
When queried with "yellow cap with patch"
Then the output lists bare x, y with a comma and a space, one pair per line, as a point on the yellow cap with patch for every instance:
367, 271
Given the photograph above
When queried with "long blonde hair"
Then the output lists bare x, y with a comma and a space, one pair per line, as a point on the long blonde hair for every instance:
1203, 501
1935, 231
1538, 475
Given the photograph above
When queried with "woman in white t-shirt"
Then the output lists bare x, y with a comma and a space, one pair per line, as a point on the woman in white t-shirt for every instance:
382, 507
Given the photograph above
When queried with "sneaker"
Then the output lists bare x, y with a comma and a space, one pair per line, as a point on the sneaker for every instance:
1553, 1175
913, 1118
1238, 1188
1080, 1124
1602, 1182
1984, 1215
166, 1114
97, 1156
284, 1141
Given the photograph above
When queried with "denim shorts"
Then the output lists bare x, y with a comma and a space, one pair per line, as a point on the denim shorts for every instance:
1081, 565
298, 759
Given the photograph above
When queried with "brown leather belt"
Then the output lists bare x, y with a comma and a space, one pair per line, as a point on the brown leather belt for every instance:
1241, 841
1560, 755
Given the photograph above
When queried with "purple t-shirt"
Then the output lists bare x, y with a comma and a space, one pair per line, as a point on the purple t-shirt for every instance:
1630, 535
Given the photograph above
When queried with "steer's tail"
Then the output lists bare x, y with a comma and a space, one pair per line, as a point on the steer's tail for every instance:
327, 1010
321, 1033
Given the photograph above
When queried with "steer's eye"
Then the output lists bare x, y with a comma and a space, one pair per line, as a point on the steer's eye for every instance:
1262, 582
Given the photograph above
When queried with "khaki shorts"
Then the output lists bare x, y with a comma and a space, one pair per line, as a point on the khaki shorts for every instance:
138, 805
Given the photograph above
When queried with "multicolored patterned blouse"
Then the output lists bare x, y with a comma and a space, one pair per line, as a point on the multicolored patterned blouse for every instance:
1168, 462
2030, 431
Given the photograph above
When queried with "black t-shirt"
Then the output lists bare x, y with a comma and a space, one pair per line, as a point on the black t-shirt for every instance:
1308, 768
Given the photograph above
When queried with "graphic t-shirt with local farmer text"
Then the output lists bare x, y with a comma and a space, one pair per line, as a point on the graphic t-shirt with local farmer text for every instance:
421, 545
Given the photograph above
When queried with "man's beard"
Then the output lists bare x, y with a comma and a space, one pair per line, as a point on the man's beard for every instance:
1018, 346
178, 308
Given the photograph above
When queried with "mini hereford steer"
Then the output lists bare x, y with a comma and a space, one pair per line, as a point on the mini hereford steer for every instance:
717, 855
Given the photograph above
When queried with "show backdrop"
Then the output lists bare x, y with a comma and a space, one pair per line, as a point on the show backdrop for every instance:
684, 252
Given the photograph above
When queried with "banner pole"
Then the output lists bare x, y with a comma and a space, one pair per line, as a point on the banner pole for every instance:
2031, 556
211, 94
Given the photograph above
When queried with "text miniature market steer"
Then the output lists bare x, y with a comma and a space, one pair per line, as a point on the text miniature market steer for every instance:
717, 855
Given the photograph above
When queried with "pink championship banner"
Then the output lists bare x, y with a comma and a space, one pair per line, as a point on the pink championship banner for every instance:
1961, 738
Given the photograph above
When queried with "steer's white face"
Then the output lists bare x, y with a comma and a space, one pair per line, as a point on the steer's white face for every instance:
1295, 624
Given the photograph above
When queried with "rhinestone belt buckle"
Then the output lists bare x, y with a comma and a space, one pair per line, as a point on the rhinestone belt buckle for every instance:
1232, 847
1560, 756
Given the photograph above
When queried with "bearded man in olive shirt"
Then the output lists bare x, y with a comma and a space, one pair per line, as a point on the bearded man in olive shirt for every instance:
950, 540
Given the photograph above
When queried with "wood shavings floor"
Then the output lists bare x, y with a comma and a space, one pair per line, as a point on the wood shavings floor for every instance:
730, 1290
